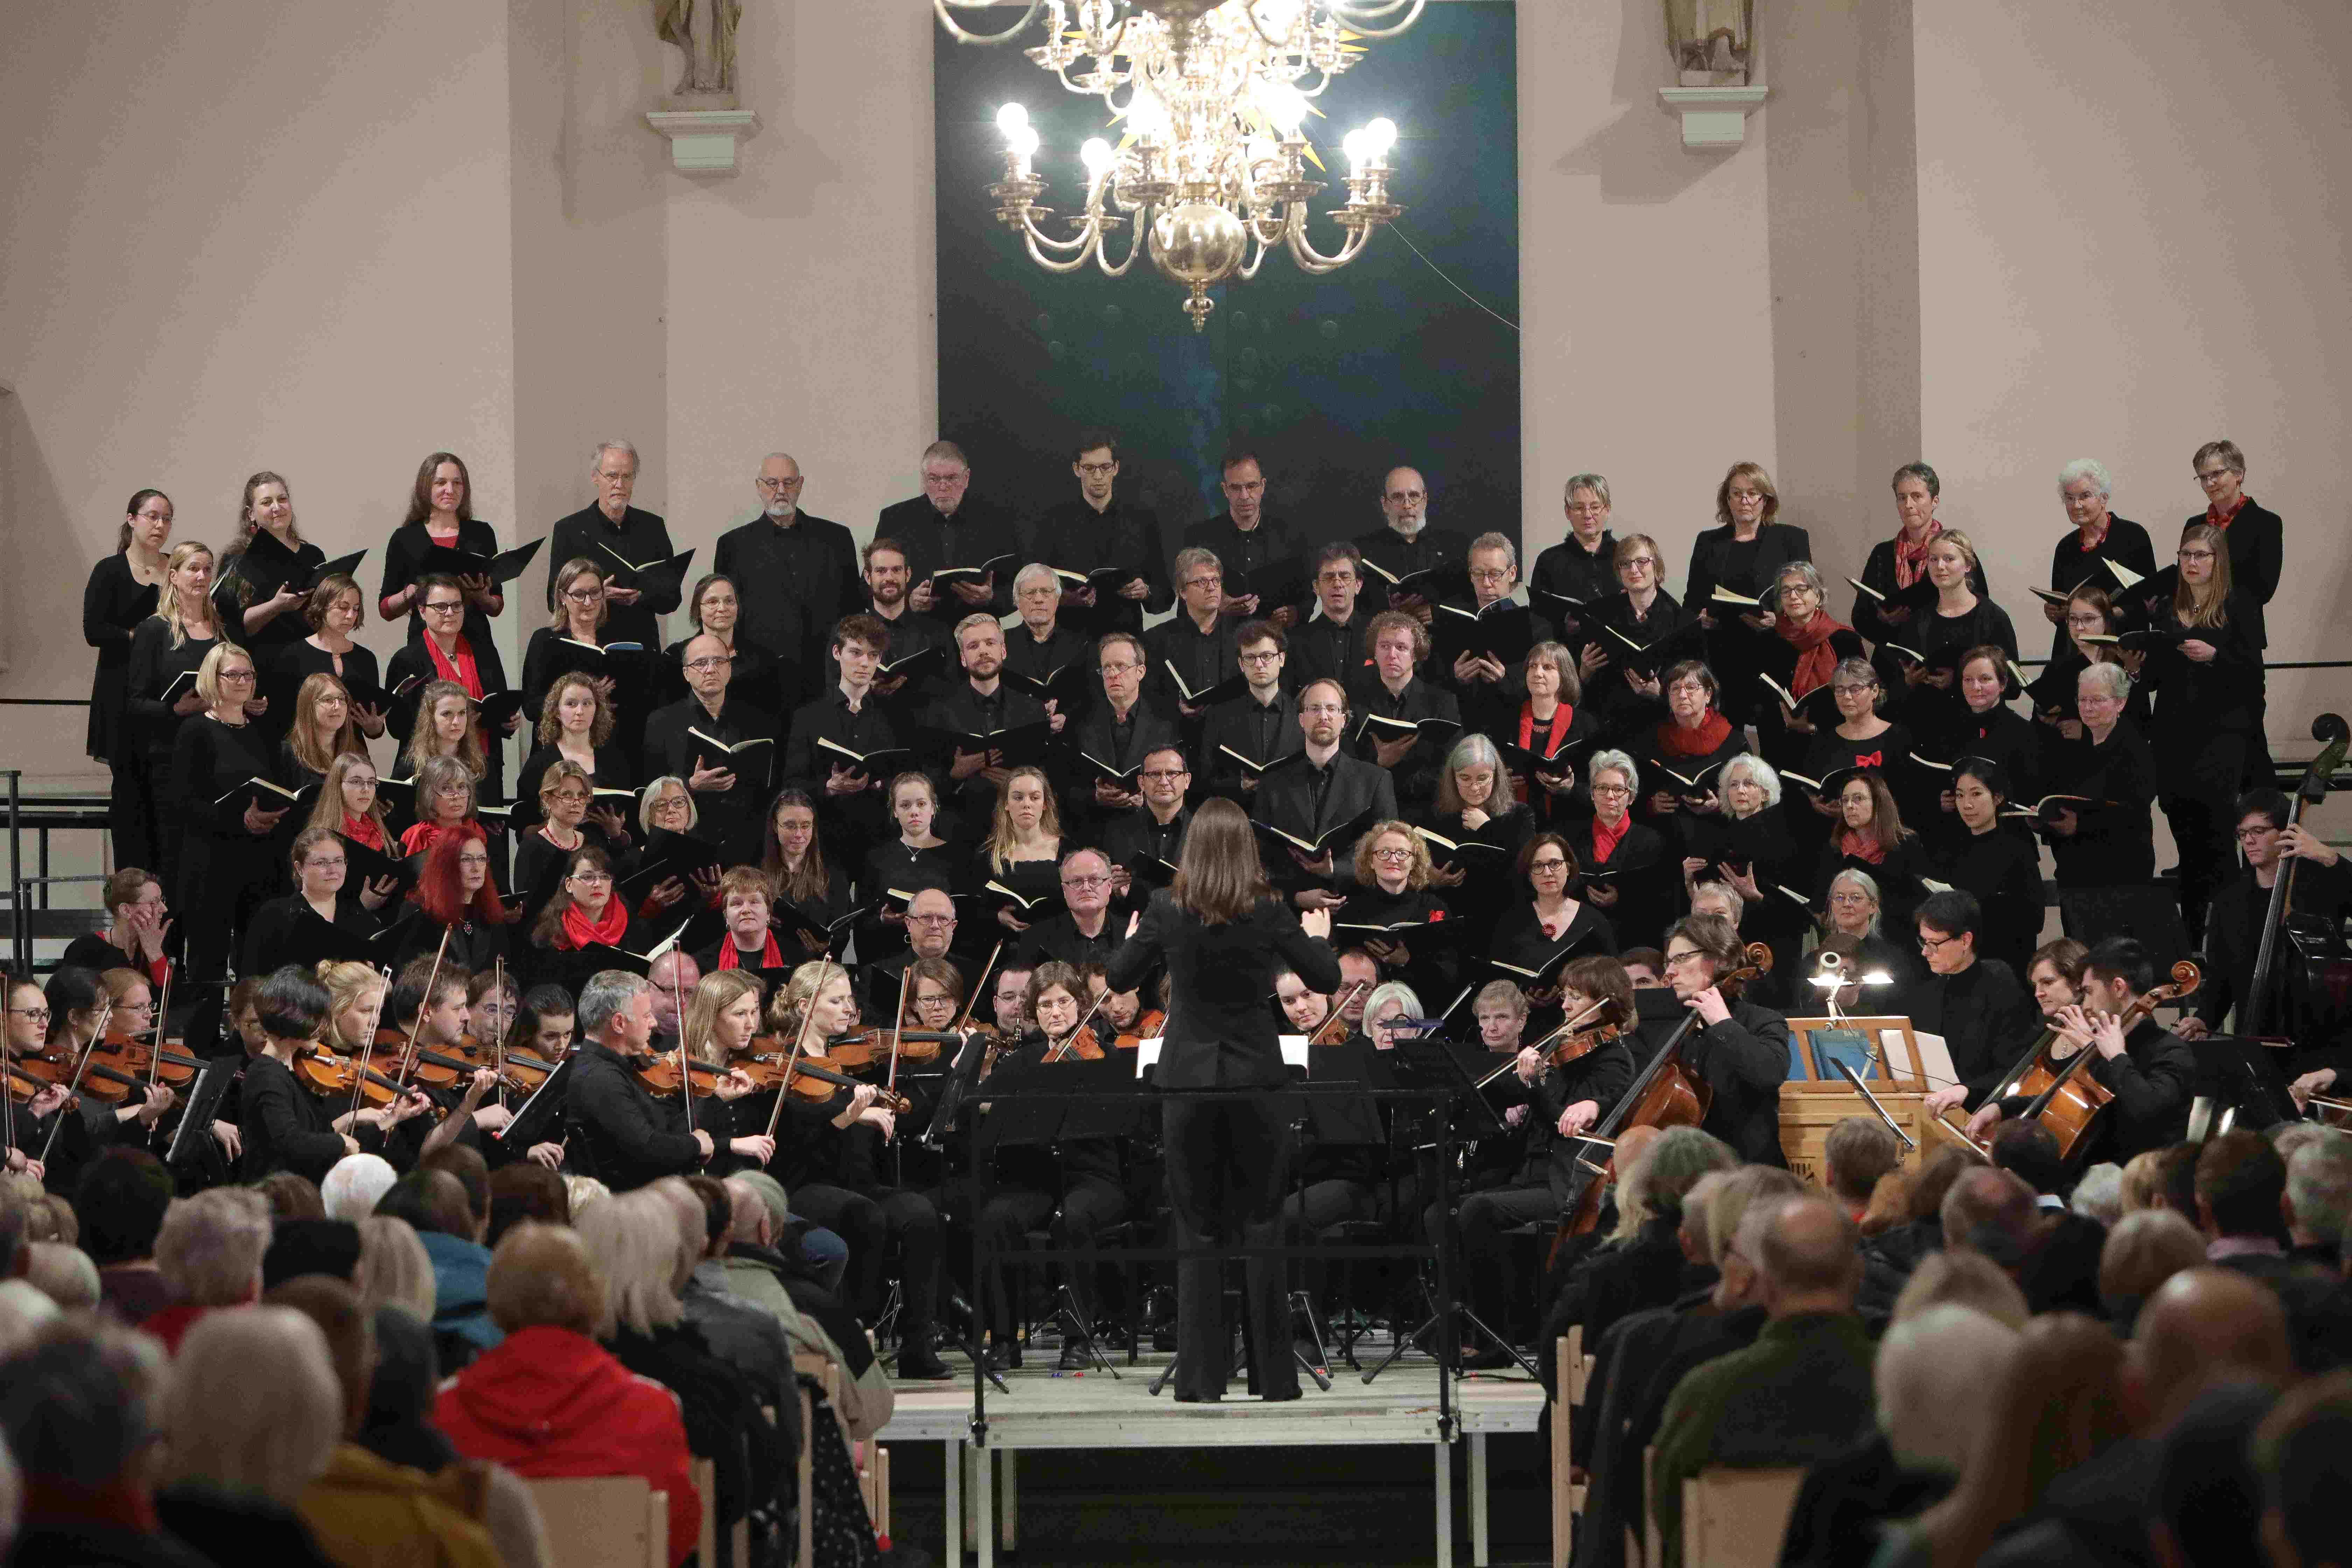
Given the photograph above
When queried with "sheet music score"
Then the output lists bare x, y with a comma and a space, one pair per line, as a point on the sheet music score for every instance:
1933, 1065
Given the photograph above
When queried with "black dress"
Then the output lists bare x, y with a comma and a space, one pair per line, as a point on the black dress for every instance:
2002, 869
1734, 650
408, 554
282, 1126
150, 727
251, 576
1621, 712
359, 671
1942, 639
225, 870
612, 771
280, 920
112, 606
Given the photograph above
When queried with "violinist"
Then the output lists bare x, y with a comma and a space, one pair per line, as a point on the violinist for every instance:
614, 1130
455, 893
30, 1122
1074, 1186
2149, 1070
1120, 1018
1304, 1010
2233, 933
322, 893
1555, 1100
79, 1002
722, 1017
438, 1022
1008, 1002
1739, 1049
282, 1125
1342, 1139
826, 1162
1358, 975
139, 922
1977, 1004
746, 895
492, 1001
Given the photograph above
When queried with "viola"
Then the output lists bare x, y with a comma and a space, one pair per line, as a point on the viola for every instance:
2068, 1102
1665, 1094
1151, 1027
1079, 1044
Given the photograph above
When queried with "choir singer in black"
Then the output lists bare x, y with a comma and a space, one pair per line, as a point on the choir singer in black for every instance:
1224, 936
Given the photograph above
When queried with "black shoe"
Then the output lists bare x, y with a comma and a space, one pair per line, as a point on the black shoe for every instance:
1076, 1356
1005, 1357
918, 1360
1489, 1360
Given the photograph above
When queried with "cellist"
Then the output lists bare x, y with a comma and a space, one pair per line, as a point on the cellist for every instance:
2149, 1070
1738, 1049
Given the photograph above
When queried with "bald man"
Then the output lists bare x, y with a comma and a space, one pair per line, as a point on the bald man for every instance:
796, 575
930, 933
1801, 1392
2203, 1330
1405, 543
2054, 1256
723, 747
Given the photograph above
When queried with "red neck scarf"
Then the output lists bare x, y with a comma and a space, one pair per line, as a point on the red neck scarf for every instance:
1861, 846
1674, 741
2097, 539
459, 667
364, 830
1605, 838
731, 957
1816, 660
1557, 731
1910, 559
2221, 520
579, 931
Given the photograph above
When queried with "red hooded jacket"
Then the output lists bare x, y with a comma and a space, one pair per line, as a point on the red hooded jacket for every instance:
549, 1402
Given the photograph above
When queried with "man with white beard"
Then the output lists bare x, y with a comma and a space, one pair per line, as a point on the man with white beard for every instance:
795, 576
1404, 543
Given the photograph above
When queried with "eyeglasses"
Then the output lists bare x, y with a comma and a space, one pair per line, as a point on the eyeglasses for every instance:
1122, 669
930, 920
1855, 688
1935, 943
1611, 789
1489, 574
584, 876
236, 675
584, 596
1687, 955
1848, 900
2247, 834
569, 798
705, 666
1206, 579
955, 479
1162, 775
2213, 475
1639, 561
484, 861
2091, 622
1323, 710
316, 864
2195, 555
40, 1013
769, 484
1083, 883
1408, 495
1268, 656
1554, 864
1747, 495
1099, 470
1393, 854
1337, 579
444, 607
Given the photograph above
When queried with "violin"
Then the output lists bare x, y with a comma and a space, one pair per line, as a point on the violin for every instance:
136, 1054
24, 1087
2068, 1102
1333, 1030
1149, 1026
56, 1064
435, 1068
1664, 1094
1079, 1043
324, 1072
659, 1074
814, 1078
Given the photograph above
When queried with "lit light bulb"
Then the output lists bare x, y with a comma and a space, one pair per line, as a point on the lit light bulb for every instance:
1381, 135
1146, 114
1012, 118
1283, 104
1096, 155
1358, 147
1260, 151
1021, 138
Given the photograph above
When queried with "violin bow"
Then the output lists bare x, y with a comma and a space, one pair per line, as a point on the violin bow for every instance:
163, 1012
1539, 1045
498, 1047
963, 1024
898, 1024
361, 1053
800, 1038
1058, 1052
1339, 1006
80, 1069
684, 1063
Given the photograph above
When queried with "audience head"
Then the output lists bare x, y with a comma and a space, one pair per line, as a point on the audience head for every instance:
291, 1196
2302, 1456
432, 1200
632, 1240
2319, 1191
1934, 1376
64, 1273
1728, 1199
82, 1407
541, 1277
2240, 1188
2029, 1151
2207, 1498
210, 1246
394, 1269
473, 1173
300, 1247
350, 1331
523, 1192
1811, 1258
1653, 1187
1858, 1150
354, 1184
1962, 1279
2099, 1193
268, 1436
2058, 1400
120, 1202
1991, 1212
2203, 1326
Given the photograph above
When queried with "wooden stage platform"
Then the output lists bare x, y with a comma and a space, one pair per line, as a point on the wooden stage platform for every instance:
1094, 1411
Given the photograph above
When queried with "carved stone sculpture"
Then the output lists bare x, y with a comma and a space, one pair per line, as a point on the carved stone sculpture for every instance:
704, 31
1712, 40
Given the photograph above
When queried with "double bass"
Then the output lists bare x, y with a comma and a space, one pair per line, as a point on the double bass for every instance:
1665, 1093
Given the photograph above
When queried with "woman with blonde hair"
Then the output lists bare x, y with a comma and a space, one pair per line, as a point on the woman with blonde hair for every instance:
238, 1450
1961, 619
394, 1269
1392, 891
721, 1020
261, 566
348, 805
226, 818
167, 649
1022, 855
1741, 556
575, 725
1222, 936
445, 727
322, 730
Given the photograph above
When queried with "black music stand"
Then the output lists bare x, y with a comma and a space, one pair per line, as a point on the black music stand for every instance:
2242, 1072
957, 1086
540, 1114
192, 1142
1458, 1110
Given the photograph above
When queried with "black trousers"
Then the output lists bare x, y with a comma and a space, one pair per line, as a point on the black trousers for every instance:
1226, 1159
868, 1223
1486, 1277
2199, 794
1316, 1208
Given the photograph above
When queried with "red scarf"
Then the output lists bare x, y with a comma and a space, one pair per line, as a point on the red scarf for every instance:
1605, 838
1561, 716
461, 669
1674, 741
1910, 559
1816, 660
731, 957
2221, 519
364, 830
578, 932
2096, 539
1861, 846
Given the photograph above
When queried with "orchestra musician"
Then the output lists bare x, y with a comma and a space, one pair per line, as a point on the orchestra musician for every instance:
139, 922
614, 1130
1741, 1050
283, 1123
1221, 935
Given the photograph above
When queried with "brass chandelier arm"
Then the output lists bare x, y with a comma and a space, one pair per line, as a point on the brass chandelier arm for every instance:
962, 35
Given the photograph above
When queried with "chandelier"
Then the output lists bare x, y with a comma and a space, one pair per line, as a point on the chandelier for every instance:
1211, 167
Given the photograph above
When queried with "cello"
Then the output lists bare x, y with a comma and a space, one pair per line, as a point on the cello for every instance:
1665, 1093
2068, 1102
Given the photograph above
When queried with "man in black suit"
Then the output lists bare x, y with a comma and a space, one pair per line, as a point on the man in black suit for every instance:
796, 574
2150, 1071
1982, 1010
855, 719
947, 526
981, 705
1405, 543
1042, 647
1261, 724
1117, 733
1084, 933
1328, 644
1096, 531
887, 590
1143, 844
1316, 789
690, 739
617, 537
1244, 539
1195, 643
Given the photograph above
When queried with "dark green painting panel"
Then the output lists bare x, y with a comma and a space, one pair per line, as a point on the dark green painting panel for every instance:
1332, 380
